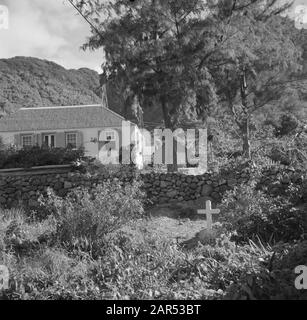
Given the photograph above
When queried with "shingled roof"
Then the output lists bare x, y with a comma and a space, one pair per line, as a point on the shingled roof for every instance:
67, 117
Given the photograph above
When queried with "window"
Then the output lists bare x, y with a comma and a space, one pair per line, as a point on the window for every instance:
110, 135
49, 140
27, 140
71, 140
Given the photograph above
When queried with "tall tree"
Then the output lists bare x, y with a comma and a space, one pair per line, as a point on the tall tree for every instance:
158, 48
258, 65
188, 55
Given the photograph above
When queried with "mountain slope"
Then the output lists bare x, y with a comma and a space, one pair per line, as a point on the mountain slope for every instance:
29, 82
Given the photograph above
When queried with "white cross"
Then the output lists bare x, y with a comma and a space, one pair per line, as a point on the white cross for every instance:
208, 212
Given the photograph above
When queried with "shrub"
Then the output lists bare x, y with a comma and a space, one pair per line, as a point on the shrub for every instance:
2, 145
21, 235
288, 123
51, 273
85, 218
275, 279
92, 245
138, 264
252, 214
38, 156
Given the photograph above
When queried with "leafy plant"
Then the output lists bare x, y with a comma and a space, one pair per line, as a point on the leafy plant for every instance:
38, 156
252, 214
85, 218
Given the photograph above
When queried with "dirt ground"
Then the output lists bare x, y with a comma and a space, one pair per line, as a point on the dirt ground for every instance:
178, 230
175, 222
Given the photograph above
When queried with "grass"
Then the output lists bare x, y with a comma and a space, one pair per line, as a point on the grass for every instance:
81, 250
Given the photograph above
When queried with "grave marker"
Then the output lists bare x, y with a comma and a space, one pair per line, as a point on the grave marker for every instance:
208, 212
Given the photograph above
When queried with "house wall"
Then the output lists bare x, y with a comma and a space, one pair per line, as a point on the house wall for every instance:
91, 149
88, 136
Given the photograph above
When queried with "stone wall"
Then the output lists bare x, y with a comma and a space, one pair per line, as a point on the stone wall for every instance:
161, 188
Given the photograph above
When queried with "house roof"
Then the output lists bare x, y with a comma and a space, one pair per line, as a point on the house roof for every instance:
65, 117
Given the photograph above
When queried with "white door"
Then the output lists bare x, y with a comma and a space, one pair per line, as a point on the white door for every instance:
49, 140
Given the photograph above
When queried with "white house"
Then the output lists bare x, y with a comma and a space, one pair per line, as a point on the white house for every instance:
95, 127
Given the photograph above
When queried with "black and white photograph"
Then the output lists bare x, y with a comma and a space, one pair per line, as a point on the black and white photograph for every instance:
153, 153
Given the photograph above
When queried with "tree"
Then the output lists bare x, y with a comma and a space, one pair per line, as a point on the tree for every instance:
257, 66
188, 55
158, 49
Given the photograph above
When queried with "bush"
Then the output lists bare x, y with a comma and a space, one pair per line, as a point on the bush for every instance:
38, 156
288, 123
96, 244
86, 218
275, 279
21, 235
137, 264
252, 214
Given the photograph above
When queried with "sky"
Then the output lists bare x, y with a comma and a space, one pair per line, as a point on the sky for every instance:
47, 29
53, 30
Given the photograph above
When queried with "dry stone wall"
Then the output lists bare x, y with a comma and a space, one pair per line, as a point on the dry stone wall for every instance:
160, 187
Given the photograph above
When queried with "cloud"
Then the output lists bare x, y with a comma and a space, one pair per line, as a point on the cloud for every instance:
53, 30
49, 30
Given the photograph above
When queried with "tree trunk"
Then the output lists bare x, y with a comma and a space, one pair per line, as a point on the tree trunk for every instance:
246, 138
245, 122
168, 125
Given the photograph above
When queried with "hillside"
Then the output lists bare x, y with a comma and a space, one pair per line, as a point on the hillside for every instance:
29, 82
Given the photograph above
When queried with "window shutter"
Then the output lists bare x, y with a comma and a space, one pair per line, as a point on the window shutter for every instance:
34, 139
79, 139
17, 140
60, 140
39, 139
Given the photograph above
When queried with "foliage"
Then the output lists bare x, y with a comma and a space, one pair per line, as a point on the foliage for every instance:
21, 234
137, 264
38, 156
2, 146
193, 59
256, 66
29, 82
155, 49
98, 246
253, 214
275, 281
85, 219
187, 56
290, 151
288, 123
